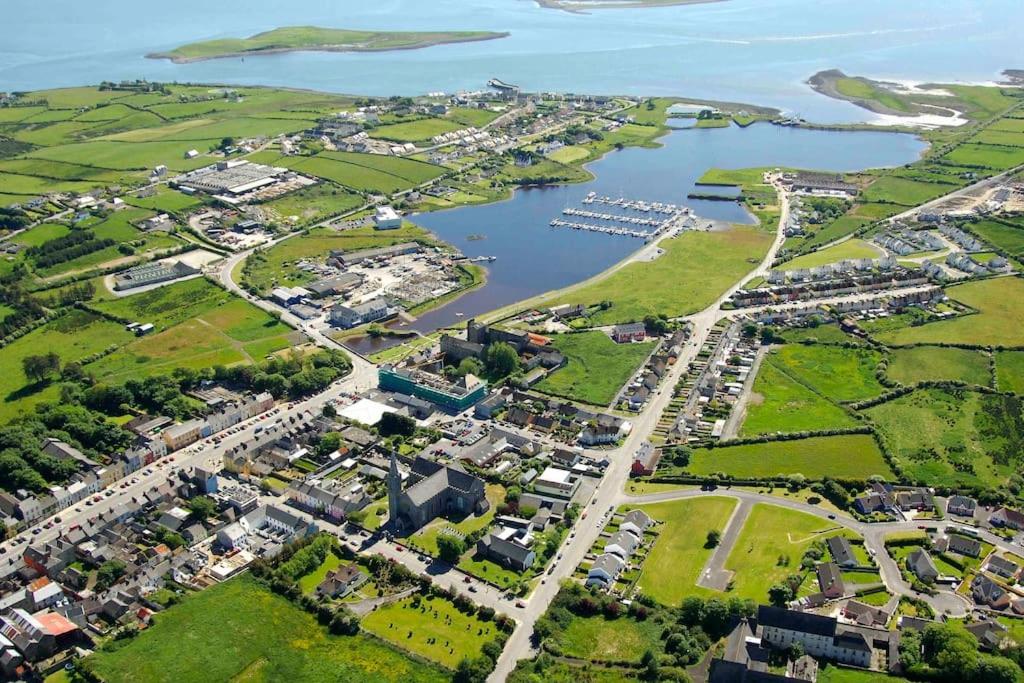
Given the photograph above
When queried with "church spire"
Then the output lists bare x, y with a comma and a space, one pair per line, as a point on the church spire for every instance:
394, 490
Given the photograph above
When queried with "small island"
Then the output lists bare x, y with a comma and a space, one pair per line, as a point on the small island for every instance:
316, 39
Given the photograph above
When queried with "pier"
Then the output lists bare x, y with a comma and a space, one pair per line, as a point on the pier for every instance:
670, 219
607, 230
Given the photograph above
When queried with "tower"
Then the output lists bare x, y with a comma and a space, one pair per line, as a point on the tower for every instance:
394, 491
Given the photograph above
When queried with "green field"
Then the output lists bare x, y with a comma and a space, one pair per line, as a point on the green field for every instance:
1000, 235
597, 367
851, 456
822, 334
237, 631
435, 629
674, 564
609, 640
363, 172
1010, 371
310, 581
838, 373
948, 438
829, 673
902, 191
1001, 305
313, 204
318, 38
197, 325
993, 157
922, 363
850, 249
864, 89
420, 130
781, 404
770, 546
72, 337
694, 271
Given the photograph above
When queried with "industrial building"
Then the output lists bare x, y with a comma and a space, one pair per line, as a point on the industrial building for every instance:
152, 273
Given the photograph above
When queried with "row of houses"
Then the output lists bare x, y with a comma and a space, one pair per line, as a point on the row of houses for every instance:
618, 549
849, 284
832, 270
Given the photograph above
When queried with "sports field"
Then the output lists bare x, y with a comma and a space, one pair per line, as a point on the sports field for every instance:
673, 565
597, 367
238, 630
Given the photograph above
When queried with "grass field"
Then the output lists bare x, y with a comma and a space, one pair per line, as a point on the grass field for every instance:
830, 673
1001, 305
850, 456
905, 192
1010, 371
674, 564
769, 547
72, 337
239, 631
850, 249
362, 172
1001, 235
609, 640
694, 271
314, 204
310, 581
435, 629
781, 404
994, 157
825, 334
420, 130
948, 438
198, 325
597, 367
838, 373
921, 363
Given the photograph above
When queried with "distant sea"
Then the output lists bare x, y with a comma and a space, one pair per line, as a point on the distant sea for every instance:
756, 51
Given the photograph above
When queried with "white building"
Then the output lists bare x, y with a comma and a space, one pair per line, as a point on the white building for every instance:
386, 218
557, 482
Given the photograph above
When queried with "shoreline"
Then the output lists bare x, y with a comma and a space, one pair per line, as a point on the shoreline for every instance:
581, 6
257, 52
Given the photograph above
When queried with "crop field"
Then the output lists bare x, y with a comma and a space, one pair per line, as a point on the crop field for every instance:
609, 640
273, 267
781, 404
434, 629
848, 456
421, 130
770, 546
1010, 371
238, 630
902, 191
674, 564
922, 363
952, 437
997, 158
1000, 302
694, 271
850, 249
72, 337
1001, 235
841, 374
597, 367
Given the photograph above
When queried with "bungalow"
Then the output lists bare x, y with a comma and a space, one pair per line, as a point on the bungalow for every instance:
604, 571
961, 506
962, 545
923, 567
341, 581
916, 499
988, 593
1003, 567
629, 332
830, 580
1010, 519
842, 552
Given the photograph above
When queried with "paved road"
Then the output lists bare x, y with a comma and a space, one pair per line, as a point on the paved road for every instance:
715, 575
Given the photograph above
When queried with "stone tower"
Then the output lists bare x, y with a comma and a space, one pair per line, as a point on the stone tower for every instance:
394, 491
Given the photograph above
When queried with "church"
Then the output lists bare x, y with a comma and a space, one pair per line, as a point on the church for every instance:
433, 490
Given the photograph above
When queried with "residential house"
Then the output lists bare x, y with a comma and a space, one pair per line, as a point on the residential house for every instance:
341, 581
920, 563
645, 460
961, 506
1010, 519
830, 580
629, 332
865, 615
622, 544
820, 636
509, 546
636, 522
604, 571
1003, 567
842, 552
988, 593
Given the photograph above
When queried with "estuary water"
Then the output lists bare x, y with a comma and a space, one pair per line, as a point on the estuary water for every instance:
755, 51
533, 257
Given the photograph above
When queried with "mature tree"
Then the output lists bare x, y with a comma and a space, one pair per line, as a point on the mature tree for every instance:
108, 573
328, 443
202, 507
392, 424
329, 411
450, 547
713, 539
779, 594
502, 359
41, 367
473, 670
470, 366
